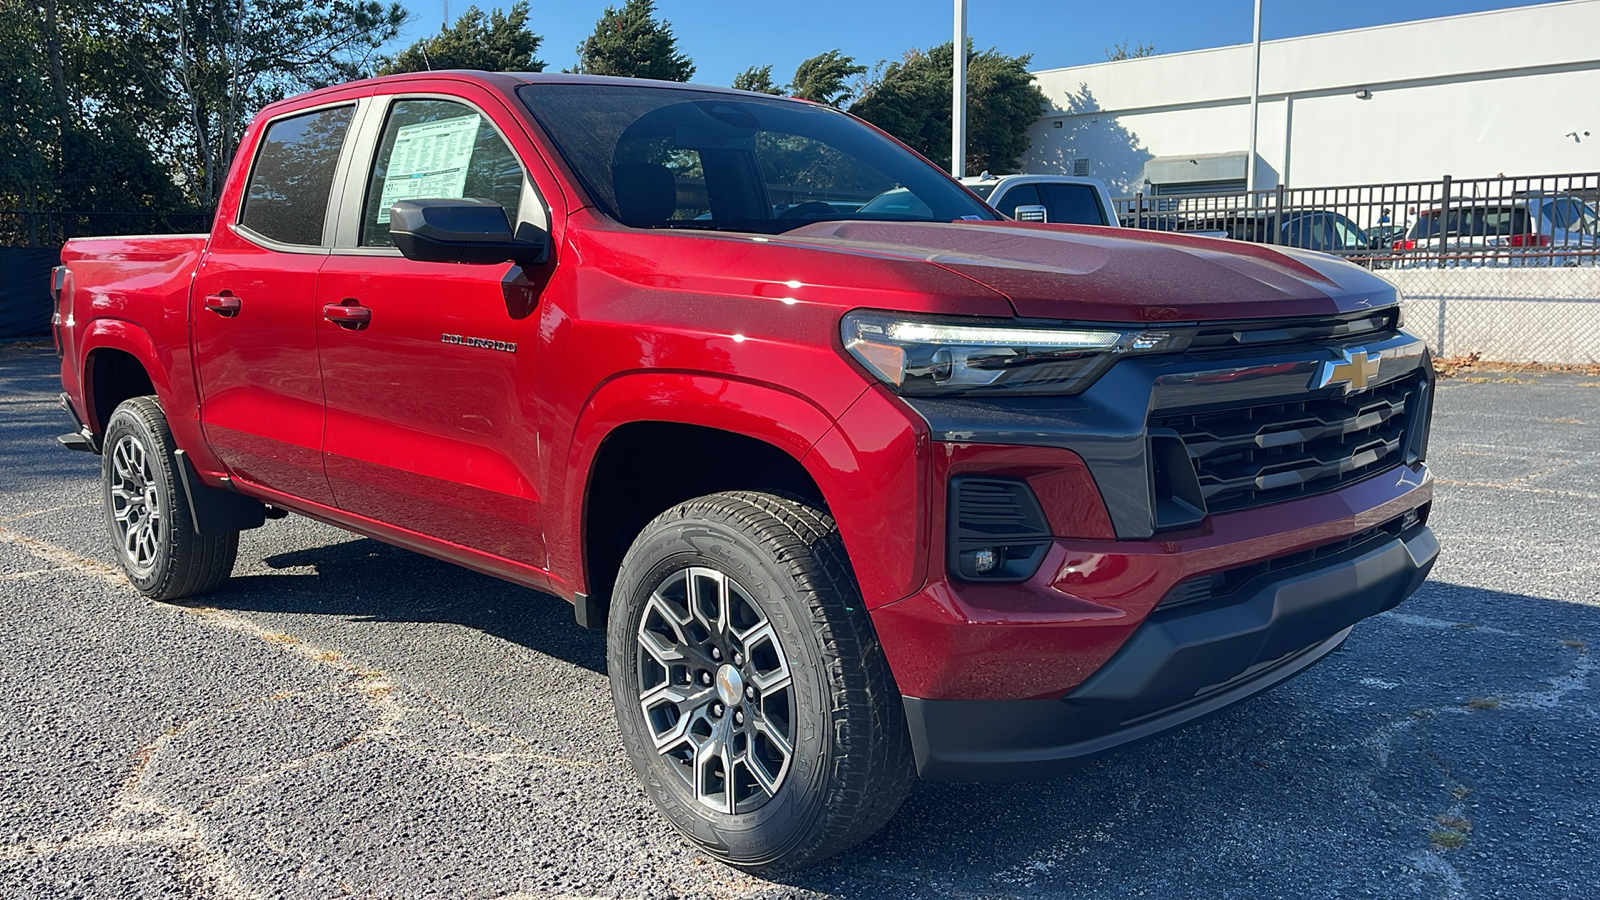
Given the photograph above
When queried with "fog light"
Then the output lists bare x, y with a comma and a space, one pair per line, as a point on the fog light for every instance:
1410, 520
985, 561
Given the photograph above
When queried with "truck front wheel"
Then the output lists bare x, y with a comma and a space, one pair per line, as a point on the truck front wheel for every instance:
164, 557
751, 693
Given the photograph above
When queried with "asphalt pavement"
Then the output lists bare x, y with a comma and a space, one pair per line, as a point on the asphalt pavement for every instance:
345, 719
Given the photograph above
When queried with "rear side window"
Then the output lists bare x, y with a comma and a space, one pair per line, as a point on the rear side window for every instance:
438, 150
1073, 204
287, 200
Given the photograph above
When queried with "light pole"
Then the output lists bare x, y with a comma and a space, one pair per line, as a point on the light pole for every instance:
958, 96
1255, 99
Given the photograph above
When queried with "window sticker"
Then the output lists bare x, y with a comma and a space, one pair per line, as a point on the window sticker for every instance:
429, 161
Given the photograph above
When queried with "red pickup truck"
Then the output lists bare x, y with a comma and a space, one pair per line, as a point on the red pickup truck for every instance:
858, 491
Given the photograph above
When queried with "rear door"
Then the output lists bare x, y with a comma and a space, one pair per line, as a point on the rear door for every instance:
432, 422
254, 308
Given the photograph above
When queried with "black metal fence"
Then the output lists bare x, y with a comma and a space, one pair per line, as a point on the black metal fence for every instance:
52, 228
1506, 267
1535, 220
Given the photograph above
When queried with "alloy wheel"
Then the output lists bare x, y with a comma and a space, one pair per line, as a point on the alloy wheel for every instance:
716, 689
136, 507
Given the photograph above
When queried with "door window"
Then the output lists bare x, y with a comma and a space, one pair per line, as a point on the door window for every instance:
1021, 195
1073, 204
438, 150
287, 200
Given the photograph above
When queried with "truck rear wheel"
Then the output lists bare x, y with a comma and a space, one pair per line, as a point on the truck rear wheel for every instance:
752, 695
148, 512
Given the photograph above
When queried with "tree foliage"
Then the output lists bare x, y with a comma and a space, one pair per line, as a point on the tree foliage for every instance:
825, 78
910, 99
633, 43
232, 57
138, 105
493, 42
1119, 52
758, 79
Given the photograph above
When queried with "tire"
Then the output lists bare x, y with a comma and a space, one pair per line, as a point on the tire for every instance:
148, 511
783, 585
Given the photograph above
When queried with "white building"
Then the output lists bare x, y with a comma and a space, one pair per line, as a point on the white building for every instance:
1513, 91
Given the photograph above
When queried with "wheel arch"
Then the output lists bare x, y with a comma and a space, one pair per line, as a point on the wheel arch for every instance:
868, 467
120, 362
648, 441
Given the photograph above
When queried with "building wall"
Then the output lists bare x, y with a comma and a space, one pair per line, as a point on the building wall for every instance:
1469, 96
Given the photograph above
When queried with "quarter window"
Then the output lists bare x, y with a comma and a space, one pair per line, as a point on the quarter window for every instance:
438, 150
287, 200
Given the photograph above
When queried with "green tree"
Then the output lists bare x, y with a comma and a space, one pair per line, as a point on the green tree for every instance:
758, 79
1119, 52
825, 78
632, 42
75, 120
910, 99
231, 57
137, 105
492, 42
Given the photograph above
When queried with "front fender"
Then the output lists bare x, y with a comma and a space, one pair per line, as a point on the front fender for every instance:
869, 476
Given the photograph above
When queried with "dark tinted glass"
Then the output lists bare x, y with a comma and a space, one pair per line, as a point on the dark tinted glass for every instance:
293, 176
1021, 195
674, 158
1073, 204
438, 150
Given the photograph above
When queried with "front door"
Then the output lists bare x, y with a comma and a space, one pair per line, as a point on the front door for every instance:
428, 367
255, 315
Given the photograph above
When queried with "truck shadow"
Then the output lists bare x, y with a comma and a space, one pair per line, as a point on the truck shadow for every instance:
1446, 742
1356, 775
367, 580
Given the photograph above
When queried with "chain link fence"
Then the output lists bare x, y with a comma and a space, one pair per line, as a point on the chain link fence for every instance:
1505, 267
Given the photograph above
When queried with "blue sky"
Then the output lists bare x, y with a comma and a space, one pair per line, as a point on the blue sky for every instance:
723, 37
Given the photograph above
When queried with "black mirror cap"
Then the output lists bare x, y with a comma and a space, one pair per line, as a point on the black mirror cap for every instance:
475, 232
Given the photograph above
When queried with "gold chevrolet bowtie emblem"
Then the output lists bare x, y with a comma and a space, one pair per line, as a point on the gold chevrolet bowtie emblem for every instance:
1352, 372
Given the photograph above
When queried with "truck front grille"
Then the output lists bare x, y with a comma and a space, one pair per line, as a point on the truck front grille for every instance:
1248, 456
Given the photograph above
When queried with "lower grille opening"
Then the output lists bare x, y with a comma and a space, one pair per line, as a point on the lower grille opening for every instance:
1221, 586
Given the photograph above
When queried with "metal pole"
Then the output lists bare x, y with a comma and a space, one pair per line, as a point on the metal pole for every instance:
1255, 98
958, 96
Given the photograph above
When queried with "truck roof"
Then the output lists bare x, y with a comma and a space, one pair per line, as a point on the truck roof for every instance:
505, 82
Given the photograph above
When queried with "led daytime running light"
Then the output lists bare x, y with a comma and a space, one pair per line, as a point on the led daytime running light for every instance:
987, 336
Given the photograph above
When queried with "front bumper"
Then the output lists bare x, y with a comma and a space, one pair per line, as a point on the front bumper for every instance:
1181, 664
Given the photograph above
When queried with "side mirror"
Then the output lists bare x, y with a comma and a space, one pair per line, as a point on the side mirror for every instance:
463, 231
1030, 212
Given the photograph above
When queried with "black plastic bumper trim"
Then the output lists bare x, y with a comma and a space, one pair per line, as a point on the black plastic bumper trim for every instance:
1179, 666
82, 438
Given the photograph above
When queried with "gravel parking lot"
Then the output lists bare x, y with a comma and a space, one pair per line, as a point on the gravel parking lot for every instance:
348, 719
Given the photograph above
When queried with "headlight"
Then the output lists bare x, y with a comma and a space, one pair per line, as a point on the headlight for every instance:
927, 355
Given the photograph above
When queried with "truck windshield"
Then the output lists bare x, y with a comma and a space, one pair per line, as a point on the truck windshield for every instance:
675, 158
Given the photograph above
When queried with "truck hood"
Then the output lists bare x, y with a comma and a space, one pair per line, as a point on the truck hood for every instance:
1117, 274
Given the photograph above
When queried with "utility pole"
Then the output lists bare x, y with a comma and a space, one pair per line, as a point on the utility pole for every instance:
1255, 99
958, 96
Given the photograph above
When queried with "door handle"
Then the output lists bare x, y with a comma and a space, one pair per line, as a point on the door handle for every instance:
224, 304
348, 314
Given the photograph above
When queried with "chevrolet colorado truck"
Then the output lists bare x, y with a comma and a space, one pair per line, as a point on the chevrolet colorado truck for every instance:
857, 493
